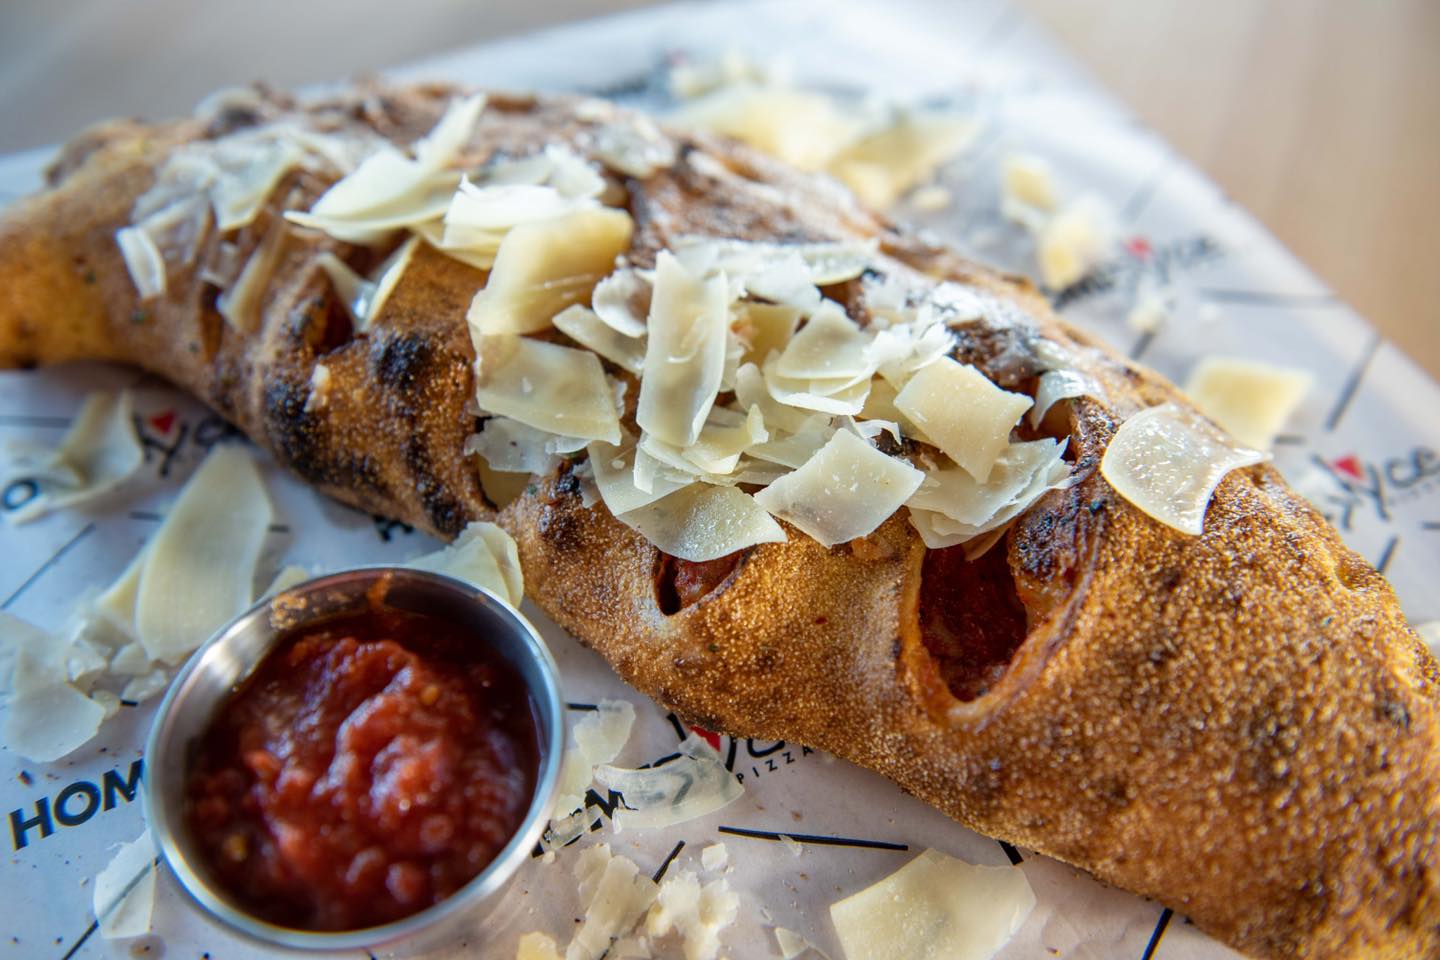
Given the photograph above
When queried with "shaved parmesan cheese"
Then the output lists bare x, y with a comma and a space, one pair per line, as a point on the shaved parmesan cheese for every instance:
614, 467
320, 380
635, 147
512, 447
117, 604
363, 299
143, 260
684, 354
484, 555
241, 303
934, 908
951, 508
615, 895
598, 738
691, 79
714, 857
820, 396
1168, 460
751, 391
845, 491
125, 890
697, 912
763, 328
803, 129
795, 450
1151, 309
830, 346
1250, 399
702, 522
1075, 240
205, 552
97, 454
546, 386
720, 444
693, 785
823, 263
1027, 189
1057, 385
46, 721
622, 301
931, 199
582, 325
544, 266
537, 946
887, 163
968, 417
388, 190
791, 944
146, 685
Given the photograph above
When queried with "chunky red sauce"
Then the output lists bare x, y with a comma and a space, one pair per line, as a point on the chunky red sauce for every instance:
370, 767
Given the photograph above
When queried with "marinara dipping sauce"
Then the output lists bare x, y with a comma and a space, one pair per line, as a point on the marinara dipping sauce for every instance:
371, 766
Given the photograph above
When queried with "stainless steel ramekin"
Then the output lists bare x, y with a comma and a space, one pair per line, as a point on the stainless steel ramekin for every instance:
213, 673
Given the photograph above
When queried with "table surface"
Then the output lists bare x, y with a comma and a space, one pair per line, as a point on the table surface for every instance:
1322, 117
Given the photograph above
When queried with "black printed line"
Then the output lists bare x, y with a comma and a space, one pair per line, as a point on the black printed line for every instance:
1352, 384
1260, 298
75, 947
1387, 555
668, 860
27, 420
1141, 198
812, 838
1012, 853
1142, 344
582, 706
154, 517
85, 531
95, 924
1289, 440
1430, 525
1159, 932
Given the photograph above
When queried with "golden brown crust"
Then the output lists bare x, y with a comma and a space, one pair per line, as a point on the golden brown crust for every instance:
1240, 724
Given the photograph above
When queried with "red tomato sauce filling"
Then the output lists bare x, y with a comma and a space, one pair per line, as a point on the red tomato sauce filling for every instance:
371, 766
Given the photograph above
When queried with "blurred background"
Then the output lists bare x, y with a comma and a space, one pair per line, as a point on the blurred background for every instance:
1322, 117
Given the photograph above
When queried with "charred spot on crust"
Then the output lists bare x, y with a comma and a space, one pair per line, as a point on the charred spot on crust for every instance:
971, 618
683, 583
401, 361
560, 528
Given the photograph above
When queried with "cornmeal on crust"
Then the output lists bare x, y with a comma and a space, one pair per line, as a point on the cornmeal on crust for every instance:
1239, 724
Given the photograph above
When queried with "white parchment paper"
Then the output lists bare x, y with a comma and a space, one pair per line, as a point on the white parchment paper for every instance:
1363, 446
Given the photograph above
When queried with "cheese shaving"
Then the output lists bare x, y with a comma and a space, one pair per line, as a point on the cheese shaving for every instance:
597, 739
143, 260
241, 303
830, 346
822, 263
934, 908
552, 388
714, 857
1167, 461
98, 453
763, 328
44, 721
844, 491
364, 299
951, 508
615, 475
684, 353
512, 447
819, 396
544, 266
1057, 385
968, 417
483, 555
792, 944
1249, 399
1075, 241
124, 892
888, 162
691, 786
703, 522
622, 301
697, 911
636, 147
537, 946
1027, 190
205, 551
804, 129
615, 896
585, 327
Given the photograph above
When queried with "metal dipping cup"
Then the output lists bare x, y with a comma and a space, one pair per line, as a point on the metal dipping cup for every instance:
214, 672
